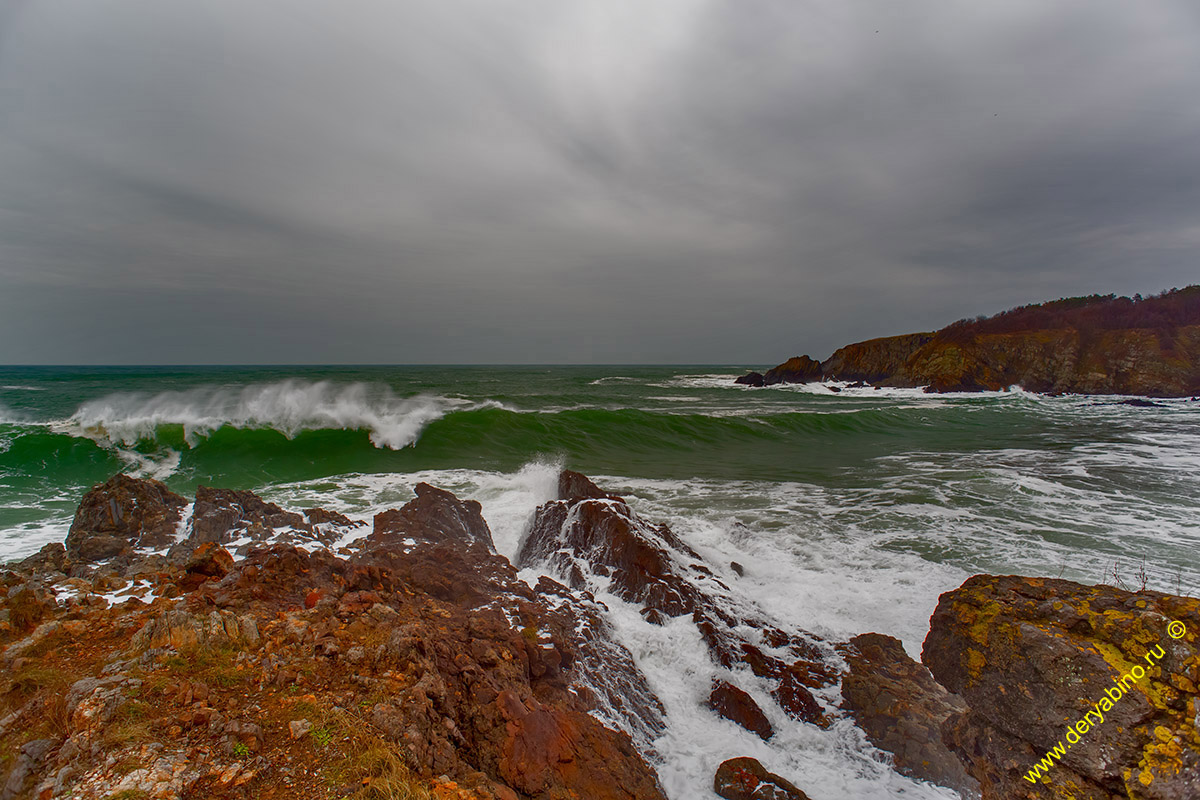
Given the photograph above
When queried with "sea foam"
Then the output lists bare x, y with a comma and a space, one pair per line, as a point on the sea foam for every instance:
289, 406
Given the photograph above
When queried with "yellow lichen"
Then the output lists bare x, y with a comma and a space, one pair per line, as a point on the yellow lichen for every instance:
975, 663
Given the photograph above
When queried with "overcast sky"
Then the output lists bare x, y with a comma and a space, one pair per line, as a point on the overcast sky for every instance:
617, 181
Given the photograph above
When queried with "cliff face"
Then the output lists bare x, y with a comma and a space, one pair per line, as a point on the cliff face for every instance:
1136, 361
1095, 345
874, 360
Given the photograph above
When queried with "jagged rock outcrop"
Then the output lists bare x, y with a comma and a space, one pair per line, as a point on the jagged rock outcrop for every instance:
798, 369
436, 516
590, 537
1042, 664
201, 674
902, 708
121, 514
586, 526
1108, 362
223, 516
51, 558
746, 779
421, 663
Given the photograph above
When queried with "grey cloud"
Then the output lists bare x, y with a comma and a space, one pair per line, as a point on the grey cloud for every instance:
606, 181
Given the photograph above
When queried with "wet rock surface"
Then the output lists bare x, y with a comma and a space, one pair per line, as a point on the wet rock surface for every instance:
436, 516
223, 516
737, 706
899, 705
746, 779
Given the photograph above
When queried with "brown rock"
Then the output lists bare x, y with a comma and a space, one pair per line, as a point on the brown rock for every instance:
735, 705
221, 515
476, 668
746, 779
573, 486
27, 605
435, 515
1085, 345
247, 733
546, 750
321, 516
751, 379
902, 708
121, 514
795, 698
51, 558
603, 531
209, 561
874, 360
1032, 656
798, 369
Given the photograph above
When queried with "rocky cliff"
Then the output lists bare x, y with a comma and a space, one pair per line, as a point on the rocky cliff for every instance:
1092, 345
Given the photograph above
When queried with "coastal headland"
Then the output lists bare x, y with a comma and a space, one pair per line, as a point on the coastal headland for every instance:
1100, 344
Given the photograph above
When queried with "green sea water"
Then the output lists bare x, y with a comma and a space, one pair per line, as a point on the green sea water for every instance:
999, 481
849, 511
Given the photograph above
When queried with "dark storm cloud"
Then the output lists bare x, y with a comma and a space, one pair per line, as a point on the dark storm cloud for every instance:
578, 181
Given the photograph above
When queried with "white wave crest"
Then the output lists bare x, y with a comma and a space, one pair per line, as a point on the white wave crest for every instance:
289, 406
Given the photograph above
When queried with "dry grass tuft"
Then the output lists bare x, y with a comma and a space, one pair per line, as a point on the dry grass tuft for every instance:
373, 764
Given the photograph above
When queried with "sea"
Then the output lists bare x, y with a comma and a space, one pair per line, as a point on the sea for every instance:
850, 511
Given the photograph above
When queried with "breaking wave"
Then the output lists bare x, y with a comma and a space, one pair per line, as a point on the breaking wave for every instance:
289, 406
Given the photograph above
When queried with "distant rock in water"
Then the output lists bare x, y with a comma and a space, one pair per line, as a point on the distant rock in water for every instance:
875, 360
751, 379
799, 369
1080, 345
1140, 403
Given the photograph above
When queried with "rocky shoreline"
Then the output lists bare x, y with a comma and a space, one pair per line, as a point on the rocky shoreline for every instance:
226, 647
